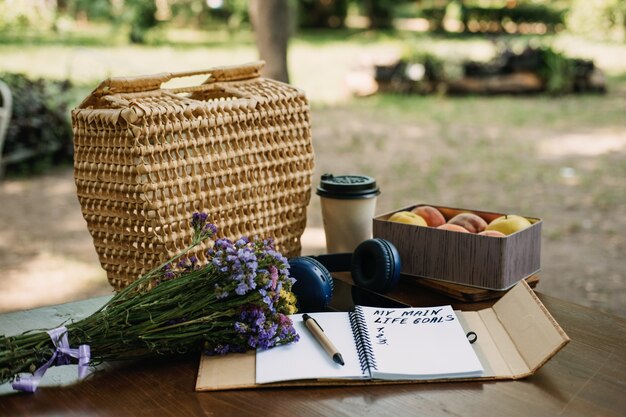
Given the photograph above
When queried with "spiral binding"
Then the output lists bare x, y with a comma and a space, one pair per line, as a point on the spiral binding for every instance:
363, 342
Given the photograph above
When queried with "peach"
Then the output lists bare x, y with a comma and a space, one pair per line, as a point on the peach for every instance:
489, 217
453, 228
470, 221
407, 217
493, 233
432, 216
448, 213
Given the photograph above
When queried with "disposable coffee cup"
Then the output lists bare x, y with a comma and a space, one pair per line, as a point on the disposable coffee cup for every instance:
348, 206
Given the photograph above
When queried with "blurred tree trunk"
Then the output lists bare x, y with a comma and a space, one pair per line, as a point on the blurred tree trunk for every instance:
379, 13
271, 20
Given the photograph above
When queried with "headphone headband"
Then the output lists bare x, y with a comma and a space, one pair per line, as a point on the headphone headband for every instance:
375, 265
335, 262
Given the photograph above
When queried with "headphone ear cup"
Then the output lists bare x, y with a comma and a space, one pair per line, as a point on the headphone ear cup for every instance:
376, 265
314, 284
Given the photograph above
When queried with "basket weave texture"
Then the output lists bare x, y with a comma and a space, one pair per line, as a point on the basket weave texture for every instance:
237, 147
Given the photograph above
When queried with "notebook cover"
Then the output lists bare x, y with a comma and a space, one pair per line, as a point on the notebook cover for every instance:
516, 336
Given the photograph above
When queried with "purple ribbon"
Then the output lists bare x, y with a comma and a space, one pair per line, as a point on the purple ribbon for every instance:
61, 356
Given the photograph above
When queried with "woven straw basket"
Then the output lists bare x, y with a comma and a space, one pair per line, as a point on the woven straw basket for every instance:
237, 147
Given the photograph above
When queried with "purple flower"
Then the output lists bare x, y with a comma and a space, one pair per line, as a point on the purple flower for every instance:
273, 276
267, 299
242, 241
241, 289
263, 330
202, 230
241, 327
189, 264
167, 272
287, 330
210, 229
265, 339
237, 260
198, 220
254, 315
222, 349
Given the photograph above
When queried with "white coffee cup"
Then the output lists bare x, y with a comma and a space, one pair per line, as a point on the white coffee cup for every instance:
348, 206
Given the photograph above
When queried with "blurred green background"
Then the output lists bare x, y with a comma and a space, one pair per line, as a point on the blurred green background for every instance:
558, 156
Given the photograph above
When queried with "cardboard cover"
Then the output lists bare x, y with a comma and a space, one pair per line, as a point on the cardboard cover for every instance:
516, 336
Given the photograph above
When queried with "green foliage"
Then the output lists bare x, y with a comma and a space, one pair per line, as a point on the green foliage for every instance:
40, 133
141, 16
91, 9
522, 13
137, 19
380, 13
237, 13
557, 71
322, 13
19, 15
434, 15
603, 19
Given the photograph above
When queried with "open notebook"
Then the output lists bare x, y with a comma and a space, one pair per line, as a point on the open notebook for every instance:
376, 343
515, 338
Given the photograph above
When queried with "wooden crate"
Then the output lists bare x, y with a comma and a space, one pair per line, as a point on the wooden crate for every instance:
495, 263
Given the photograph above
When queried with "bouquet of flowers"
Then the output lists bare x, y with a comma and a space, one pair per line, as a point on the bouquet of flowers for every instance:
238, 300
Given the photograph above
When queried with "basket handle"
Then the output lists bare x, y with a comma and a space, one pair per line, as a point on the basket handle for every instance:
227, 73
116, 85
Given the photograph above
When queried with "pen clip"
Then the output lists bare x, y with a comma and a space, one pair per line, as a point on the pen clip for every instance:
306, 317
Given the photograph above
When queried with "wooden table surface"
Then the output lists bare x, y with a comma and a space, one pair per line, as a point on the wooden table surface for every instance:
586, 378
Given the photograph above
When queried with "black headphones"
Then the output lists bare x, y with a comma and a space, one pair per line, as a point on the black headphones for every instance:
375, 265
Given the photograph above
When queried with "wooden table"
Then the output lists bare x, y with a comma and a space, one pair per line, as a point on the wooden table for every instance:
587, 378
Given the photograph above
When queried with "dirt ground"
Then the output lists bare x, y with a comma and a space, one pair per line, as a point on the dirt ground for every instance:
47, 255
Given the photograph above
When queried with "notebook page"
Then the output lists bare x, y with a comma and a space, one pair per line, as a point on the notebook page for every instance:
306, 359
418, 343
